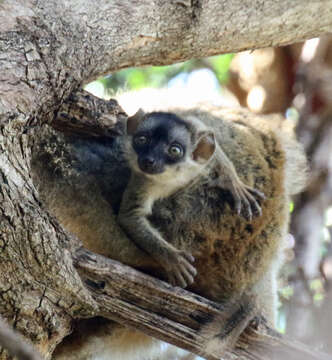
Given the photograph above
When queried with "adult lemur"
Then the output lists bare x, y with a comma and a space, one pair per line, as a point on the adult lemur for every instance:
166, 153
82, 182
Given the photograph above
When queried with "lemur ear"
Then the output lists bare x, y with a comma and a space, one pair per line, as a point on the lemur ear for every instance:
205, 147
134, 121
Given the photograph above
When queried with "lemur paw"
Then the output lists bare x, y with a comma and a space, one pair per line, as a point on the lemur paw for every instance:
179, 269
246, 198
246, 204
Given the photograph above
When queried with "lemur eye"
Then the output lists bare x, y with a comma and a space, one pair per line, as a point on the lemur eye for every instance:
140, 140
175, 151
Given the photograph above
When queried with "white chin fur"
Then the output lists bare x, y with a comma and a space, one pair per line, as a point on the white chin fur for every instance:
178, 175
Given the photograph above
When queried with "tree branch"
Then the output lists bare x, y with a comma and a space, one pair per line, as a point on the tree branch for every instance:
175, 315
89, 116
109, 36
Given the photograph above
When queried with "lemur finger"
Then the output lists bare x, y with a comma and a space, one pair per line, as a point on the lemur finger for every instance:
188, 277
171, 279
238, 205
255, 207
190, 268
246, 212
256, 192
237, 200
188, 256
180, 279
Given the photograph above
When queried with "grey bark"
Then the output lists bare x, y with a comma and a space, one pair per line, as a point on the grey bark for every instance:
48, 49
15, 345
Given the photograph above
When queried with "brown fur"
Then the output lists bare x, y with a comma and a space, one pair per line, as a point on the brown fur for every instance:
232, 255
230, 251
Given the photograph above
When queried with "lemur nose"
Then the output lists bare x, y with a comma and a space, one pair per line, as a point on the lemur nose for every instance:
149, 165
150, 161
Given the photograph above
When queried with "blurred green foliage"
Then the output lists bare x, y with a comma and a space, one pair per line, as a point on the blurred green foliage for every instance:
158, 76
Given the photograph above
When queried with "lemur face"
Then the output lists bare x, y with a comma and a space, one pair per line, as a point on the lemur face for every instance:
166, 148
161, 141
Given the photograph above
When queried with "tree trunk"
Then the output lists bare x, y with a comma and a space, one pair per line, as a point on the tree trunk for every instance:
50, 48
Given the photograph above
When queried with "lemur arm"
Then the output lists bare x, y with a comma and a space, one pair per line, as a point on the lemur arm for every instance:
133, 220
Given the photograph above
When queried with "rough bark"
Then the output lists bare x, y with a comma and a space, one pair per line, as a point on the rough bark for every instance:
48, 49
15, 344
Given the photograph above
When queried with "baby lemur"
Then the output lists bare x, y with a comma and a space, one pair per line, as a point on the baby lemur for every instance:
82, 181
167, 153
